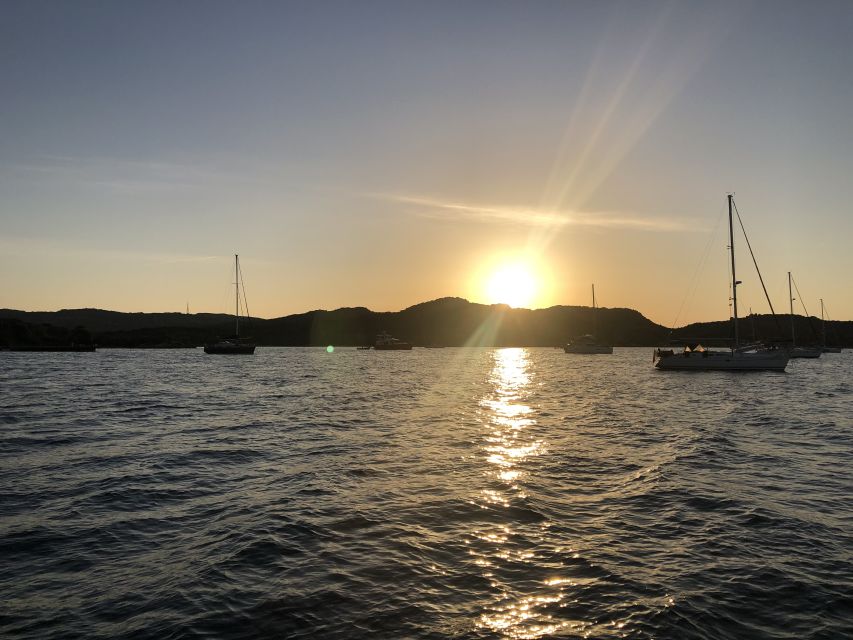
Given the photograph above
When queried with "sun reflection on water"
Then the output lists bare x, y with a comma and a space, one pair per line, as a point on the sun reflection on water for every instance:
500, 550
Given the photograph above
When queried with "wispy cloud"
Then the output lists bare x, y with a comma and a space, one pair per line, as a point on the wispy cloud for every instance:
130, 176
532, 217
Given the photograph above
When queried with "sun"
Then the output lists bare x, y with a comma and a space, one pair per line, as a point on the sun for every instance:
514, 284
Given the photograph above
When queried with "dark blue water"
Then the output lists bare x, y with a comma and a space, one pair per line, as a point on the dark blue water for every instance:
465, 493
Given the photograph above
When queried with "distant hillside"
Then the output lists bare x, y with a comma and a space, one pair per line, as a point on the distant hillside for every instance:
98, 320
457, 322
442, 322
769, 328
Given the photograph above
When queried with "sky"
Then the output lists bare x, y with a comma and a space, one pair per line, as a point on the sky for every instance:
382, 154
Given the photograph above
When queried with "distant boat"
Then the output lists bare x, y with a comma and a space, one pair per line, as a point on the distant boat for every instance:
747, 358
385, 342
589, 343
824, 348
795, 351
233, 345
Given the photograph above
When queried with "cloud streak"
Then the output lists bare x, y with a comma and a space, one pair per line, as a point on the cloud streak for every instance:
128, 176
531, 217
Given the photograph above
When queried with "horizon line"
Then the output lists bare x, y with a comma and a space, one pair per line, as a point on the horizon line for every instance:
458, 298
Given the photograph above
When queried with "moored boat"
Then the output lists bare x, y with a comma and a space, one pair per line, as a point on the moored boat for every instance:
737, 358
385, 342
589, 344
825, 348
801, 351
805, 352
233, 345
701, 359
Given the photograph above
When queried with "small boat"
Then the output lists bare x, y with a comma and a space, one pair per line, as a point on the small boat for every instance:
233, 345
737, 358
385, 342
365, 348
805, 352
824, 348
588, 343
801, 351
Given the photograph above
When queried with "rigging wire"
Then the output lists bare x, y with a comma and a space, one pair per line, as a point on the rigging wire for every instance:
694, 280
245, 300
755, 262
800, 297
828, 319
803, 304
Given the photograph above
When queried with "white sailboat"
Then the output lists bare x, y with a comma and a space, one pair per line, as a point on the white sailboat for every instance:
233, 345
795, 351
747, 358
588, 343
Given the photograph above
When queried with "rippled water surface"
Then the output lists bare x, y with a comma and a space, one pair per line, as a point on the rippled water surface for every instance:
468, 493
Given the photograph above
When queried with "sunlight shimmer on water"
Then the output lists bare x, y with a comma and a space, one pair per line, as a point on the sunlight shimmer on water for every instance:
484, 494
508, 418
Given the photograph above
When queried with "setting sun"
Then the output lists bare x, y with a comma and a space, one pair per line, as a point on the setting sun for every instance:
513, 284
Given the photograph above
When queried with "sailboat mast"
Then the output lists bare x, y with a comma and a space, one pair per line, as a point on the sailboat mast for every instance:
237, 295
594, 314
734, 277
791, 302
822, 325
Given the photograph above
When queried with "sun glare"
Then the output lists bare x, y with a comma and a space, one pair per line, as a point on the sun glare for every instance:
513, 284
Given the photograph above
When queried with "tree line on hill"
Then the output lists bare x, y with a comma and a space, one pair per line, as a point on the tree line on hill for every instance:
443, 322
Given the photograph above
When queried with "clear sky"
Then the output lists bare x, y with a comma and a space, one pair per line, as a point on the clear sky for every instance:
387, 153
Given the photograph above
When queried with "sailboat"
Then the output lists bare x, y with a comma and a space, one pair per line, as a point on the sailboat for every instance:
824, 348
799, 352
589, 343
233, 345
737, 358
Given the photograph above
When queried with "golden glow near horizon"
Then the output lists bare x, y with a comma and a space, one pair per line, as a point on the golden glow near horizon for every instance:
606, 165
517, 283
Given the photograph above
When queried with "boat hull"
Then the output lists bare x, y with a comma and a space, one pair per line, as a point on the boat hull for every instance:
723, 361
588, 348
832, 349
806, 352
230, 349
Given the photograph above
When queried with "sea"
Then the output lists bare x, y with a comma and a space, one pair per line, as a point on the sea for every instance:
438, 493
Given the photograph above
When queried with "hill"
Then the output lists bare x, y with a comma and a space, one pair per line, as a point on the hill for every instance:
442, 322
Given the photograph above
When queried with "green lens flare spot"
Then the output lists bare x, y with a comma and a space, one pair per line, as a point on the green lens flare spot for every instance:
330, 349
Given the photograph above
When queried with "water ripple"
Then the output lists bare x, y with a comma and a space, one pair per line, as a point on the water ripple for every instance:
466, 493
